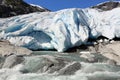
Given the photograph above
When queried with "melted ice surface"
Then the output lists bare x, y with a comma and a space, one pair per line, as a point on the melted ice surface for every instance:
60, 30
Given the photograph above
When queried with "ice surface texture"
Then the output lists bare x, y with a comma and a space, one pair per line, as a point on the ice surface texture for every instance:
60, 30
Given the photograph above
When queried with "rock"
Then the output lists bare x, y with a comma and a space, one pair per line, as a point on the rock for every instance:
37, 63
99, 67
107, 6
92, 49
112, 56
22, 51
93, 56
111, 62
58, 65
11, 61
33, 64
7, 49
2, 59
42, 64
114, 47
111, 51
88, 56
10, 8
70, 69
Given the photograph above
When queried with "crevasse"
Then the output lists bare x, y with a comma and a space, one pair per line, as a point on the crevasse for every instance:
60, 30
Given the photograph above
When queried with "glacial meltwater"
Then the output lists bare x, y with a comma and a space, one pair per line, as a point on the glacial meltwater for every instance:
51, 65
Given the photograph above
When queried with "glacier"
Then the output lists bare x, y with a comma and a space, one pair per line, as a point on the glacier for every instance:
60, 30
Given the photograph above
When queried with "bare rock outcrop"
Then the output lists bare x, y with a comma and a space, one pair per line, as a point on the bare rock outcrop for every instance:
107, 5
7, 49
110, 51
9, 8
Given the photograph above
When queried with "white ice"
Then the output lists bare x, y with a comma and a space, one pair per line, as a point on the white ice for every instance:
60, 30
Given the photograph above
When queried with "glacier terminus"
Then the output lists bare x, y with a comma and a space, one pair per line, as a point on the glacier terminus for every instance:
60, 30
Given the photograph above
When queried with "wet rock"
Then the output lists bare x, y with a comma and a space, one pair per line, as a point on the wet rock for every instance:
111, 62
2, 59
41, 64
35, 64
99, 67
56, 66
70, 69
32, 64
11, 61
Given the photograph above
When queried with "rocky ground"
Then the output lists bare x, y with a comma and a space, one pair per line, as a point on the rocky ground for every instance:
93, 61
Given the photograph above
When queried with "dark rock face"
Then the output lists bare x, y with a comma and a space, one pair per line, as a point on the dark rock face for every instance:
41, 64
10, 8
71, 69
107, 6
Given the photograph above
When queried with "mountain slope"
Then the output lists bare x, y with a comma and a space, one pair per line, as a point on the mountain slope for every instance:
10, 8
107, 5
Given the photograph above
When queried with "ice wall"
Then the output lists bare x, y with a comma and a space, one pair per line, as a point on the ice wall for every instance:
60, 30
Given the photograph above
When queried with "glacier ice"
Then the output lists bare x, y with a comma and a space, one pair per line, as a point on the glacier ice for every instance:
60, 30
